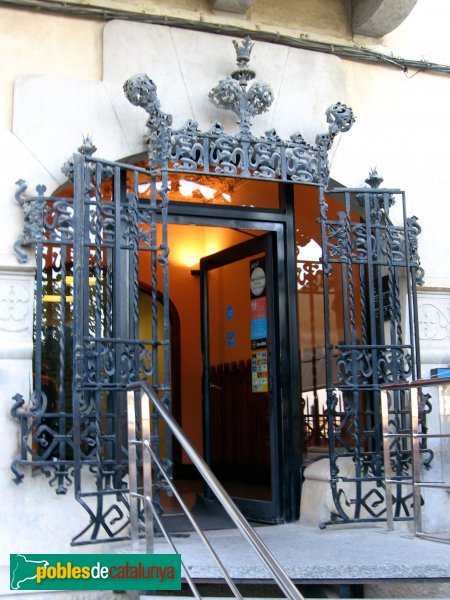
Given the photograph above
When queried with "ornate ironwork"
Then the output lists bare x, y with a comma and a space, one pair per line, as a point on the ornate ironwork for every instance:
88, 247
375, 344
91, 243
109, 352
33, 216
232, 93
241, 155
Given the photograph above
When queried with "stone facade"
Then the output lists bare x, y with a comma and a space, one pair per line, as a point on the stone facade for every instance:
71, 85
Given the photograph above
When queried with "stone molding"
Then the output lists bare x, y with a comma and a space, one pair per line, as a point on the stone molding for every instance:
16, 314
434, 326
376, 18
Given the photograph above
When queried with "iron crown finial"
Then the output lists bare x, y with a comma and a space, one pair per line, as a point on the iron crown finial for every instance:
88, 148
234, 94
243, 51
374, 180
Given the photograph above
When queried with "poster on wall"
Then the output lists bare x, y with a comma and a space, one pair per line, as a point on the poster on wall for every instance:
260, 375
258, 303
258, 325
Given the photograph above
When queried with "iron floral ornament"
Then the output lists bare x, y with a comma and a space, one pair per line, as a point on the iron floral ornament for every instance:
242, 154
232, 93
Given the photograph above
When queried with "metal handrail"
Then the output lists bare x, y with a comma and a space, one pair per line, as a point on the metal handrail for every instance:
273, 566
415, 435
191, 518
416, 384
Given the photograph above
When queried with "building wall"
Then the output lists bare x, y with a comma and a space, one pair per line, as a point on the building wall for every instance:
53, 60
35, 43
62, 77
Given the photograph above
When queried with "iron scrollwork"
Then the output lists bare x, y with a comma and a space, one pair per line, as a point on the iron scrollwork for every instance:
141, 91
372, 255
40, 442
216, 151
105, 360
33, 217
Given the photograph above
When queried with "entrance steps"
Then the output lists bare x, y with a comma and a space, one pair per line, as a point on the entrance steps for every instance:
336, 555
248, 591
319, 593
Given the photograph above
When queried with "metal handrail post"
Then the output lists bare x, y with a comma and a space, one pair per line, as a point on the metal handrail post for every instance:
415, 435
193, 522
132, 472
388, 471
415, 441
184, 568
277, 571
147, 474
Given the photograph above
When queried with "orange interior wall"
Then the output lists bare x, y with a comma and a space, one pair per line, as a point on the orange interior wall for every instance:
230, 287
188, 244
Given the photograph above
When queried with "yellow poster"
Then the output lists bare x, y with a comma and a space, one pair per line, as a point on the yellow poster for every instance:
260, 377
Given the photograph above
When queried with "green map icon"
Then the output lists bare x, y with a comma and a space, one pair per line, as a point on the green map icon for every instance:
23, 569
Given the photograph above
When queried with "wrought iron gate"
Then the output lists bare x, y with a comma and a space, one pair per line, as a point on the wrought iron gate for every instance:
371, 269
113, 222
122, 229
90, 247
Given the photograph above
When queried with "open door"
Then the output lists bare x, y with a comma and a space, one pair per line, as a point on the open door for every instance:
240, 344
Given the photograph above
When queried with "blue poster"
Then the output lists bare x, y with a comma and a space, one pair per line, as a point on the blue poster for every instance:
229, 313
258, 328
231, 339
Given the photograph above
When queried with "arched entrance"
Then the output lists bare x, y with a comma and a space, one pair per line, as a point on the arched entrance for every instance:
242, 427
115, 233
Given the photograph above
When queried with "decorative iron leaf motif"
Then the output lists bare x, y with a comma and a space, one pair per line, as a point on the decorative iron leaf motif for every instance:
33, 219
215, 151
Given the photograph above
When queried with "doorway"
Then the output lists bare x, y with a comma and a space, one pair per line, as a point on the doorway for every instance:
228, 281
239, 289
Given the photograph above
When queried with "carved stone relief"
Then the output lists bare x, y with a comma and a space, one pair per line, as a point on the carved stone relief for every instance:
434, 323
14, 306
16, 311
434, 326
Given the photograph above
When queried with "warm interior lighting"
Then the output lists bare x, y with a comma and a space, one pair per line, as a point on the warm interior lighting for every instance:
69, 280
69, 283
189, 244
190, 258
55, 298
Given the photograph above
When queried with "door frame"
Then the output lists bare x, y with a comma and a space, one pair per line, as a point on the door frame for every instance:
281, 222
253, 508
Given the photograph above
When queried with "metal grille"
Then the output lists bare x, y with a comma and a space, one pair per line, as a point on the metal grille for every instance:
375, 269
90, 248
46, 418
123, 228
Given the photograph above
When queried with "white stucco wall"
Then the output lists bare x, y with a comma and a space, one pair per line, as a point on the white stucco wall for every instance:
39, 43
400, 128
68, 82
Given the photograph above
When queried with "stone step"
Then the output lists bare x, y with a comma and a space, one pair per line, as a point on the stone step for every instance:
145, 597
248, 592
